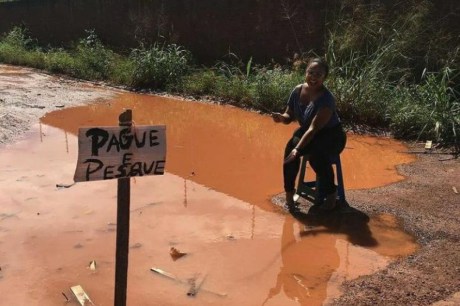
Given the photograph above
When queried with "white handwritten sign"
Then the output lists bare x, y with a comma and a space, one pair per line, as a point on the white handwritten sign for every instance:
106, 153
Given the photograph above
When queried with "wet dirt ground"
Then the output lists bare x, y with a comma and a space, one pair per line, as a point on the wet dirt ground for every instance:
208, 206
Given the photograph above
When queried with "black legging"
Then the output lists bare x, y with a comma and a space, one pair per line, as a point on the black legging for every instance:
325, 143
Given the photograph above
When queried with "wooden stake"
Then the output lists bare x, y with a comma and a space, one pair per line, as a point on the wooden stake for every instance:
122, 248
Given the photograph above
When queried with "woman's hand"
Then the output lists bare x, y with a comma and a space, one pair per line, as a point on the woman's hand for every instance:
278, 117
293, 155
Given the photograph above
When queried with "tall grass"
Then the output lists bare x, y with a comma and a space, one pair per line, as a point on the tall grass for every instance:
201, 82
92, 59
272, 87
158, 66
17, 48
155, 67
384, 71
429, 110
244, 84
377, 61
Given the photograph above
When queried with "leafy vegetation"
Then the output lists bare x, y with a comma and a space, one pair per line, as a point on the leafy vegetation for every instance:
391, 71
159, 66
395, 70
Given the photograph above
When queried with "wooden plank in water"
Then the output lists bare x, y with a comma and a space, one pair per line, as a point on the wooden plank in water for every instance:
81, 296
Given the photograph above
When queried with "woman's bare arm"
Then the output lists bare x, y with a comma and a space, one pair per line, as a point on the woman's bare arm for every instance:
319, 121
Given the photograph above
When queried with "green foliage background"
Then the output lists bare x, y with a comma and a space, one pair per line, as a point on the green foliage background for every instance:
395, 71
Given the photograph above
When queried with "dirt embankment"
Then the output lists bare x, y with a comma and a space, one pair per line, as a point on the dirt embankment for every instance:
429, 205
23, 103
427, 201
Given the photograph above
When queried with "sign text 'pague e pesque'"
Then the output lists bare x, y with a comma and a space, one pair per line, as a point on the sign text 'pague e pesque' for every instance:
106, 153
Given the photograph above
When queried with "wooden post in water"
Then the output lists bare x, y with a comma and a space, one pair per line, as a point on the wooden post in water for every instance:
117, 152
122, 247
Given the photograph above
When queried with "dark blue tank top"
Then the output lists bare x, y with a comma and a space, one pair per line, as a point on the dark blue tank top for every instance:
304, 114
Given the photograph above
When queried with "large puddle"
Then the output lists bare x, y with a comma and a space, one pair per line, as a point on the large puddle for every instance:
223, 167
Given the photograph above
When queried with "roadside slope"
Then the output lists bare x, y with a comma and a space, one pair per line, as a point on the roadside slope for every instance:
23, 103
430, 208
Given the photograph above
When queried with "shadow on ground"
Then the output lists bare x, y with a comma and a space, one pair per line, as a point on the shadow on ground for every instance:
344, 219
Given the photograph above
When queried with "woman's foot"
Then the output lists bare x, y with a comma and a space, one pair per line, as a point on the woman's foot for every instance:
330, 202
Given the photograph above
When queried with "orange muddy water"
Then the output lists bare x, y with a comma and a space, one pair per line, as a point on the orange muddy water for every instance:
223, 167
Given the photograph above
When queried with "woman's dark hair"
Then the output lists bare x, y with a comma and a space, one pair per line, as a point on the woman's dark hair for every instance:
322, 63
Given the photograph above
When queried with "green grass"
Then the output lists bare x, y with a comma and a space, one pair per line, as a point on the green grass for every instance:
272, 88
429, 110
159, 66
375, 73
379, 72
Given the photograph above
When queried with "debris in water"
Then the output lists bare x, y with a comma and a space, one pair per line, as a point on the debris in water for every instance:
300, 280
428, 144
455, 189
92, 265
137, 245
164, 273
178, 280
66, 298
145, 206
195, 288
81, 296
4, 216
176, 254
60, 186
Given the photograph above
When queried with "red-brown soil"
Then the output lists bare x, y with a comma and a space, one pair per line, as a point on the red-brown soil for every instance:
426, 204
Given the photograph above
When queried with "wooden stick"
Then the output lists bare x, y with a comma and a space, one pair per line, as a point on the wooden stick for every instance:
194, 288
178, 280
81, 295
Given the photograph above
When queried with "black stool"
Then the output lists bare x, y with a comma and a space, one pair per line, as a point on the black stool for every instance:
310, 189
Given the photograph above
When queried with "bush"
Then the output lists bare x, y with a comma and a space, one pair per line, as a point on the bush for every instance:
159, 67
201, 82
60, 61
272, 88
374, 59
121, 71
430, 110
92, 59
235, 89
18, 38
17, 48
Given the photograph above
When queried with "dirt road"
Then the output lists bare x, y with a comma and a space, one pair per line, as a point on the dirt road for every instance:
427, 201
430, 208
23, 102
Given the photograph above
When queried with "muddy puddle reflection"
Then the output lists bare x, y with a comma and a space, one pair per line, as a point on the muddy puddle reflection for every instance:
230, 150
223, 167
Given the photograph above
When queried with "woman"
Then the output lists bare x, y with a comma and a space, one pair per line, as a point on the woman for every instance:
320, 134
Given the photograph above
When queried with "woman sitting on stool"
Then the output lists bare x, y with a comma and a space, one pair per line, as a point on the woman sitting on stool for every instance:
319, 136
